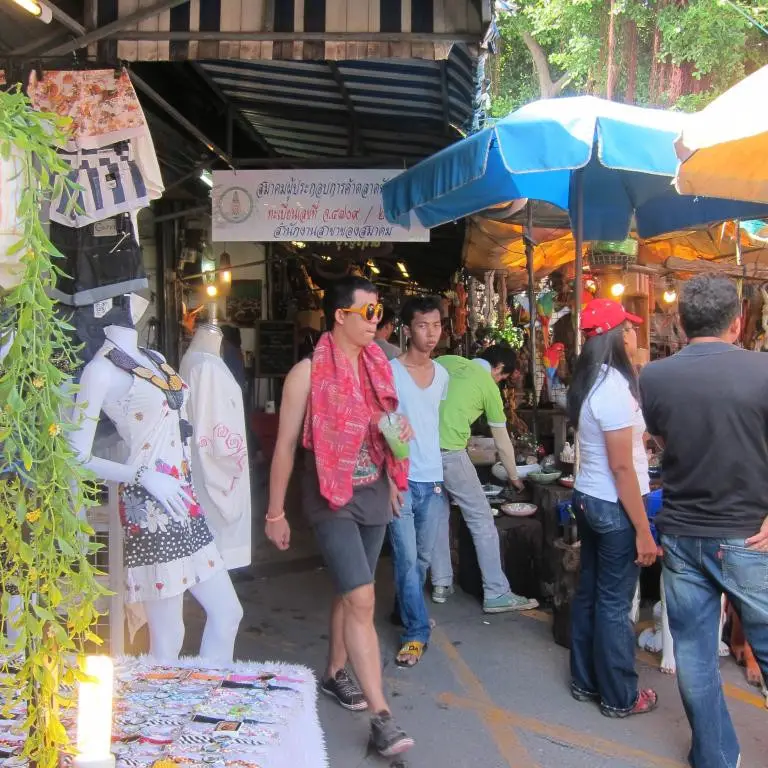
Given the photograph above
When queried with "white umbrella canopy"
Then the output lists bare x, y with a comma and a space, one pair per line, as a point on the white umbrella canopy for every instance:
724, 148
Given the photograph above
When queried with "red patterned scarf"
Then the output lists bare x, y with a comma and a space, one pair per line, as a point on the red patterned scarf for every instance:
341, 415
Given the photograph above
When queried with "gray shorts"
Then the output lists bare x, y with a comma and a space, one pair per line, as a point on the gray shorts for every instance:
350, 551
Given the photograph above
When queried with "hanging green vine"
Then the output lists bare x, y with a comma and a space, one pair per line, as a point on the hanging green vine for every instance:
44, 543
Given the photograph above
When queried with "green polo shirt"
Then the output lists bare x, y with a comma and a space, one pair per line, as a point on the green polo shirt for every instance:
472, 392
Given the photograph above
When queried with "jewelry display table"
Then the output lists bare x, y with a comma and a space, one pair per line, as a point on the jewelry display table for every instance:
247, 715
192, 715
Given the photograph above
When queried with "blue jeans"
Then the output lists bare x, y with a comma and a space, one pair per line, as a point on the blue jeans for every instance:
412, 535
602, 636
696, 572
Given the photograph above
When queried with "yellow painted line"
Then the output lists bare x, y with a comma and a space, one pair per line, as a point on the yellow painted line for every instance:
561, 733
734, 692
503, 734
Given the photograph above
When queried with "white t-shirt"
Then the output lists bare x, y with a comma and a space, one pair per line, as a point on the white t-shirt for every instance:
608, 407
422, 407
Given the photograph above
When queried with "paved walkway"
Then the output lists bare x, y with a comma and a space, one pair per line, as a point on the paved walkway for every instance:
490, 691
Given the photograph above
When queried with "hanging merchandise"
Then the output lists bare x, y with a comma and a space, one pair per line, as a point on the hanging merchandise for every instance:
551, 357
545, 306
11, 176
114, 174
490, 309
105, 112
460, 327
101, 103
103, 259
503, 308
108, 182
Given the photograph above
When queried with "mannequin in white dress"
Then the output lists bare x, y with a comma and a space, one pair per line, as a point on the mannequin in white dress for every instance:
220, 467
168, 546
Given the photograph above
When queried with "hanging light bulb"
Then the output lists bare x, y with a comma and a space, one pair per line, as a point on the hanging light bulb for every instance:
670, 294
372, 266
212, 290
225, 273
617, 290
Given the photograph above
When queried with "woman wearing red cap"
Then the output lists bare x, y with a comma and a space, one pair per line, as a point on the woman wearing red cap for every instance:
608, 502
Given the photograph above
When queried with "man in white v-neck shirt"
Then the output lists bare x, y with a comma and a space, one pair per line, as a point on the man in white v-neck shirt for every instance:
421, 386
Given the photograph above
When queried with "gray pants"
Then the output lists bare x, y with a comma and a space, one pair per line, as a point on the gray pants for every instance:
464, 488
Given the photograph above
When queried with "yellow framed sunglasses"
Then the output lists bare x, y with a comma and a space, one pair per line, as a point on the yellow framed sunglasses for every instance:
371, 313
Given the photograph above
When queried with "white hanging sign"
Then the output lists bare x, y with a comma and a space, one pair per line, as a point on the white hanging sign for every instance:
305, 205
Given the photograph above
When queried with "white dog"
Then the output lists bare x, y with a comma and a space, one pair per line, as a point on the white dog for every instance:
660, 638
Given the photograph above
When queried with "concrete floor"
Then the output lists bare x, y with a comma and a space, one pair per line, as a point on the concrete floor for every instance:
490, 691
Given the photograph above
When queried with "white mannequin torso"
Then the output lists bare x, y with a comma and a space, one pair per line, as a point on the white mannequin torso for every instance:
207, 339
102, 382
220, 466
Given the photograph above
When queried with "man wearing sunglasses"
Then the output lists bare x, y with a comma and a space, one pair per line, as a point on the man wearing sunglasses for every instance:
352, 483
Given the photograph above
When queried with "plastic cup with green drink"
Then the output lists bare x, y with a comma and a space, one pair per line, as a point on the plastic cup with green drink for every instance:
391, 426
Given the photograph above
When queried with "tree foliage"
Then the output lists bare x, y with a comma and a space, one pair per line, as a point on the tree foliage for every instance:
671, 53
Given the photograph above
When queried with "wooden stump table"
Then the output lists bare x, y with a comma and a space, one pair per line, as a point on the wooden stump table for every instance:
520, 544
546, 498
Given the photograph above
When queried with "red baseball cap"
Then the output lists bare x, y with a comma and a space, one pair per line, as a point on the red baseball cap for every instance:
603, 315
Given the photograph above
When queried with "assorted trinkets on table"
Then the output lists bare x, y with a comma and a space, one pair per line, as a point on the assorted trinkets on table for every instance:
245, 716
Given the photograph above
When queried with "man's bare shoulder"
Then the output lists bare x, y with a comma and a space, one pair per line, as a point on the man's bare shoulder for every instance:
299, 376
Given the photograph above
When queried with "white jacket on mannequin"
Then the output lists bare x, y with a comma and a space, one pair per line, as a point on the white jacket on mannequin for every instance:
220, 468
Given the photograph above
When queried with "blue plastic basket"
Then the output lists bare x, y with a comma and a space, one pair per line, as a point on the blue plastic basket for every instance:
652, 508
564, 512
653, 504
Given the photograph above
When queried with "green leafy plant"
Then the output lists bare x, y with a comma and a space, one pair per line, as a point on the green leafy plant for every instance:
44, 538
509, 333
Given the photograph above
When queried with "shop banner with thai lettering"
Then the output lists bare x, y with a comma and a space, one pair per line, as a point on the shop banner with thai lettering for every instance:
305, 205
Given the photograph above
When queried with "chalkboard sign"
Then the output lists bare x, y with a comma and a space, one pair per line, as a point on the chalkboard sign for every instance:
275, 348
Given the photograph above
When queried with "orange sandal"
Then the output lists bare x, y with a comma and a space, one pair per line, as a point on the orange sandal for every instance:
410, 653
647, 701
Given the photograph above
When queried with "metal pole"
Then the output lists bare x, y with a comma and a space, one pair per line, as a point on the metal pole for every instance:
279, 37
179, 118
532, 312
115, 28
739, 257
578, 237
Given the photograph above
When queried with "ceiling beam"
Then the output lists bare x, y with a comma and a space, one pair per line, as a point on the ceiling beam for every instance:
194, 173
64, 18
279, 37
115, 28
356, 144
241, 119
41, 43
147, 90
329, 161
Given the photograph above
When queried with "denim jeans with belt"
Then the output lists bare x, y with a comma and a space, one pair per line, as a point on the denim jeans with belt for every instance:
602, 635
412, 536
696, 572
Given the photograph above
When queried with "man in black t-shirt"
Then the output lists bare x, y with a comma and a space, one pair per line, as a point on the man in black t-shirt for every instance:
708, 406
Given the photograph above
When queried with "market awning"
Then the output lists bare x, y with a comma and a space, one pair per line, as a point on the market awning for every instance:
397, 109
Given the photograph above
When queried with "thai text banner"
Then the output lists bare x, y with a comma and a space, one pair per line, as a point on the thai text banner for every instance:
305, 205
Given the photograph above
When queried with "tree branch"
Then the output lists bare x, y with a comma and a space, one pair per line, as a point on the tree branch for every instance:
547, 88
561, 83
540, 63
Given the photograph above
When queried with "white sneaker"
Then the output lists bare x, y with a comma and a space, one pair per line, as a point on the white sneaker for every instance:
441, 594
